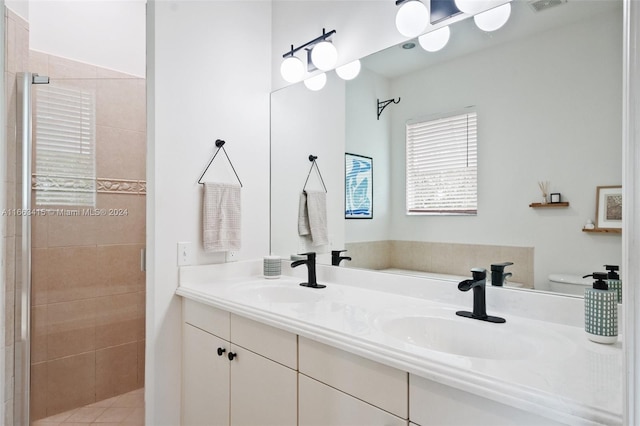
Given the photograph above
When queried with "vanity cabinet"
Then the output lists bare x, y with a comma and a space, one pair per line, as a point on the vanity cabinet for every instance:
274, 377
236, 371
339, 388
205, 378
432, 403
322, 405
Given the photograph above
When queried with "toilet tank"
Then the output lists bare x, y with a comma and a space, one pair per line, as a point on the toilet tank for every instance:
569, 284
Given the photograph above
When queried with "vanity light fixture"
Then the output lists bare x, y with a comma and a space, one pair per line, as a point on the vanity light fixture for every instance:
324, 55
493, 19
473, 7
316, 82
321, 54
349, 71
292, 69
412, 17
435, 40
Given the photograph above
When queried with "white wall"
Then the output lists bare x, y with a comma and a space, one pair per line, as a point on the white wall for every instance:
209, 78
106, 33
21, 7
549, 108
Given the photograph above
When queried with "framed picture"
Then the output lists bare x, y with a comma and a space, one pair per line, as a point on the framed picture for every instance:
358, 190
555, 197
609, 207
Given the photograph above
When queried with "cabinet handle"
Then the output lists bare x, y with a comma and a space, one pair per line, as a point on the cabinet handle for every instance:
232, 355
221, 351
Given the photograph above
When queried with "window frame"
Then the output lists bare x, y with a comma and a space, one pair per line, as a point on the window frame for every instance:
470, 207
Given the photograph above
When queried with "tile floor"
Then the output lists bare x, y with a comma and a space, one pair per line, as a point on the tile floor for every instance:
125, 410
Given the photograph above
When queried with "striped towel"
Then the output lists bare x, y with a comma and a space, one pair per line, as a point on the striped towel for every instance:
221, 217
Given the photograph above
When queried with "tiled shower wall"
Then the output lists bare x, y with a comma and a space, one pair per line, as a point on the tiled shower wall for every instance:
16, 59
88, 291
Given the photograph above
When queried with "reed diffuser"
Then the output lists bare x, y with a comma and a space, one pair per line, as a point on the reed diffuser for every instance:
544, 187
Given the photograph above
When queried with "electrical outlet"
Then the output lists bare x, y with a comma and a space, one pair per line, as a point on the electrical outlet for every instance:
232, 256
185, 254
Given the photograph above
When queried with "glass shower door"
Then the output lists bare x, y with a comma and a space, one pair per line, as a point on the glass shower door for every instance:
87, 234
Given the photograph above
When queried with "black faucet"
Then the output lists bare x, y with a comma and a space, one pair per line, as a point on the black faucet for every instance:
336, 258
497, 273
310, 261
479, 302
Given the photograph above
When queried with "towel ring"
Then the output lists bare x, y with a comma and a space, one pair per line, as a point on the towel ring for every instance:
313, 159
220, 144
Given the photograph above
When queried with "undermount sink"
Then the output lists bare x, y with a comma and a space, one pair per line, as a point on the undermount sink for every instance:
278, 292
459, 337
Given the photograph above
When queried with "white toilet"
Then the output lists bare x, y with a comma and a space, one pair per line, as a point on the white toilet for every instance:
569, 284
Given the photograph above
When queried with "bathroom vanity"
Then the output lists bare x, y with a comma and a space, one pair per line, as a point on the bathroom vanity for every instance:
375, 348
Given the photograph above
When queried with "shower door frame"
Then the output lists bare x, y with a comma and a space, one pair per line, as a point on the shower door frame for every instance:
22, 327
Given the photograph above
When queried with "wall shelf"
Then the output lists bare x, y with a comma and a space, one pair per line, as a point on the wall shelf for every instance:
603, 230
548, 205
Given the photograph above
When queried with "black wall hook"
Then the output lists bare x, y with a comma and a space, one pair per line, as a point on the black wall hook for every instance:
382, 105
313, 159
220, 145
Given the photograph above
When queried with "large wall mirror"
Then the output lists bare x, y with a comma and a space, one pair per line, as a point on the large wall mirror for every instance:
547, 89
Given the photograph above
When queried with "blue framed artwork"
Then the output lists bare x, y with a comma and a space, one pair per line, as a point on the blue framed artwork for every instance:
358, 191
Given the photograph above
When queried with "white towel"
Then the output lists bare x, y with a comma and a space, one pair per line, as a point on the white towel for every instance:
221, 217
316, 213
303, 216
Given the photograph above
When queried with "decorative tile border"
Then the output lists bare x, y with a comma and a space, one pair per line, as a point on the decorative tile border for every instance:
101, 185
121, 186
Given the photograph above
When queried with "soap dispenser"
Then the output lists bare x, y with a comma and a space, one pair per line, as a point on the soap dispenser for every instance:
600, 311
613, 280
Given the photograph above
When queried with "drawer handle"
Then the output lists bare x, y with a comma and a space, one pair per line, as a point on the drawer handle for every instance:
232, 355
221, 351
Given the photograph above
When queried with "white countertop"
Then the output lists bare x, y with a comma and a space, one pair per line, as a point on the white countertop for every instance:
557, 372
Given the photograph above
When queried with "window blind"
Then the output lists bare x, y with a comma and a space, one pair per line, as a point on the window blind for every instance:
65, 147
442, 165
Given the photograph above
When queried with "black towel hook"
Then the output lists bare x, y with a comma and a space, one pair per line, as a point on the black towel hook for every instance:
313, 159
220, 145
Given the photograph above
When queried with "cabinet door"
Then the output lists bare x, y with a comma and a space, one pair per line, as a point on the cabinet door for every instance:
205, 379
322, 405
435, 404
263, 392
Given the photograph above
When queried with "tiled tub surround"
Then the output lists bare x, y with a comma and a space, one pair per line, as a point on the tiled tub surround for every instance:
88, 292
441, 258
569, 379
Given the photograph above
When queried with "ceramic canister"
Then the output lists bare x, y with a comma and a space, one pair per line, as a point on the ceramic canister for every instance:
272, 267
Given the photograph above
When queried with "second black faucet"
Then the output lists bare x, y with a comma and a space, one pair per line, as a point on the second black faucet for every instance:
310, 261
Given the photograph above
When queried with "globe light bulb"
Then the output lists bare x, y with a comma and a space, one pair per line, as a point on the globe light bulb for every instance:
472, 6
493, 19
316, 83
349, 71
324, 56
412, 18
435, 40
292, 69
